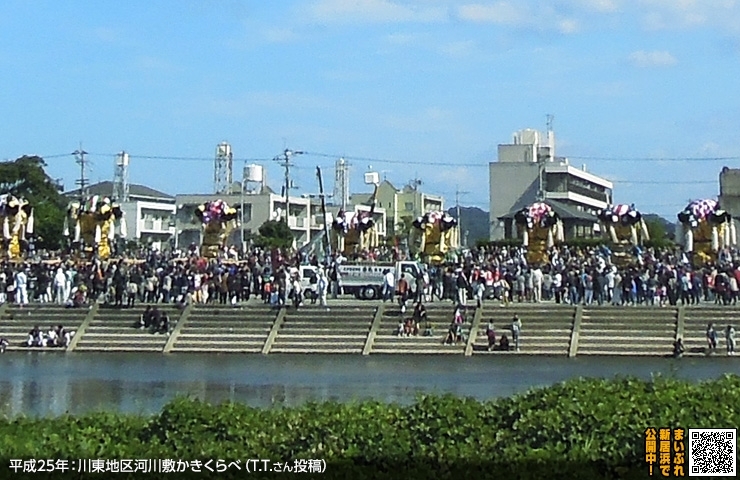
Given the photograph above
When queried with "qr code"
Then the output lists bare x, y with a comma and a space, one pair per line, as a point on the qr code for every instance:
712, 452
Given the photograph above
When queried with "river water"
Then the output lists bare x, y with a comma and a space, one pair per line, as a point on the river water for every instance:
50, 384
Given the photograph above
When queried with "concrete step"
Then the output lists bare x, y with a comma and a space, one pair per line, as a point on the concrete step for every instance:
215, 349
117, 348
418, 351
278, 349
543, 352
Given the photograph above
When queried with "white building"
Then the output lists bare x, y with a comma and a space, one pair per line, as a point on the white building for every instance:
149, 213
527, 170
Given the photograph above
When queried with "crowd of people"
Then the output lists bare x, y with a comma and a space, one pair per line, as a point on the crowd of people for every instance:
572, 275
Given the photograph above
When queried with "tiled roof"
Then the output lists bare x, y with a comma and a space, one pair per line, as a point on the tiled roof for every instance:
134, 190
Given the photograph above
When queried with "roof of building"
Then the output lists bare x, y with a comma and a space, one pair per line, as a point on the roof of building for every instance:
564, 211
134, 190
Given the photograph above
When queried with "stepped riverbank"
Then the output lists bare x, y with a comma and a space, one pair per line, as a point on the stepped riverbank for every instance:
366, 328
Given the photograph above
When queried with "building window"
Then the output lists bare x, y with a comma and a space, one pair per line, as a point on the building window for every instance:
409, 206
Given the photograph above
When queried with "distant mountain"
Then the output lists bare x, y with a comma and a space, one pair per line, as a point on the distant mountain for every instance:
670, 227
475, 222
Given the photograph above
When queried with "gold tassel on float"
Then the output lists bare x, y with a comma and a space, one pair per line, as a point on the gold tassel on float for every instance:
18, 223
613, 233
633, 234
561, 232
715, 238
29, 224
645, 231
689, 243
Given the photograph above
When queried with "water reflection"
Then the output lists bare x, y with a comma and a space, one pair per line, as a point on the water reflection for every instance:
44, 384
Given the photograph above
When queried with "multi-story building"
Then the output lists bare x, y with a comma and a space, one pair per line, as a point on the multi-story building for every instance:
149, 213
401, 205
527, 170
729, 193
256, 209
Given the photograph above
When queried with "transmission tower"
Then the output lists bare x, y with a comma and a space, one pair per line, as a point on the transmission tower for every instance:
223, 169
120, 178
341, 182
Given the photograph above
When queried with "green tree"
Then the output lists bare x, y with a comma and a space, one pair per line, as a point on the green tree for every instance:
25, 177
659, 236
275, 234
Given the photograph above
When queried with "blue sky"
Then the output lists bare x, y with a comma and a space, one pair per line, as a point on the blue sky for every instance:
427, 88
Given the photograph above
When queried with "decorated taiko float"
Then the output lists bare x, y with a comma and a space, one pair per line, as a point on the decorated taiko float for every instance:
624, 230
704, 230
540, 228
435, 234
218, 221
353, 232
93, 223
16, 215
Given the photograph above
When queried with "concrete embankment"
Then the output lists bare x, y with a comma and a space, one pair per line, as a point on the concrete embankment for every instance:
369, 328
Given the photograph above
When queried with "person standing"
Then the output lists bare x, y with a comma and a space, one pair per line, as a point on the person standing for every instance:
462, 288
403, 292
60, 280
21, 287
730, 339
389, 283
711, 338
516, 329
537, 278
322, 286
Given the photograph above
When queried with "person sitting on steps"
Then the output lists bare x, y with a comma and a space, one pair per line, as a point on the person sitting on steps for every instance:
678, 348
503, 344
411, 327
455, 334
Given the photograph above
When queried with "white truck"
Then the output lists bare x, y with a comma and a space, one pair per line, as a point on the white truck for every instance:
365, 280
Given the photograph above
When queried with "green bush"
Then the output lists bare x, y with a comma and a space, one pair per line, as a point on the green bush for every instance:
583, 428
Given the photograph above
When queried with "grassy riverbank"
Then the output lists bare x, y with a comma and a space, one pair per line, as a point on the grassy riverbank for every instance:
578, 429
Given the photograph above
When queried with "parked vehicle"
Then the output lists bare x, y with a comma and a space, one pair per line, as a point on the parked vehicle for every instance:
365, 280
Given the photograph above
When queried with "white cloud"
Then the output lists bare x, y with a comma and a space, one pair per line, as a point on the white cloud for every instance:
374, 11
502, 13
462, 48
280, 35
568, 26
671, 14
518, 15
655, 58
599, 6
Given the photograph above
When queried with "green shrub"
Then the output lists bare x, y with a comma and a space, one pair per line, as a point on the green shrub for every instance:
583, 428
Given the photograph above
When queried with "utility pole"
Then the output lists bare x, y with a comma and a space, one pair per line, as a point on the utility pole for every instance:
457, 207
284, 160
82, 162
327, 240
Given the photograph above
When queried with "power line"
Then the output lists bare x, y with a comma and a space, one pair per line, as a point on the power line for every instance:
655, 159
